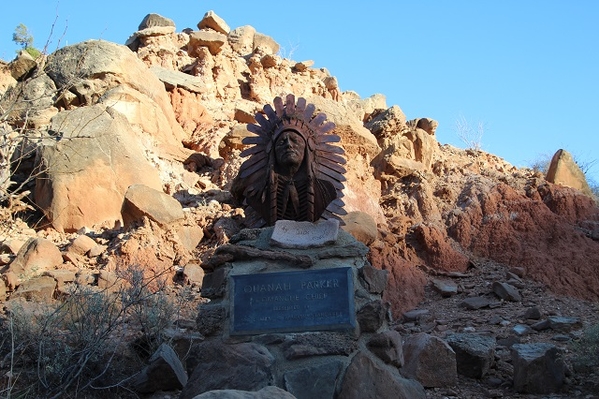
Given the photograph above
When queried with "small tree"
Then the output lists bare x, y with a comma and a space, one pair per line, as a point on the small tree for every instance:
471, 135
23, 38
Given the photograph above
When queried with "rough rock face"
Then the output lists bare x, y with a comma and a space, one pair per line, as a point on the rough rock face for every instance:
90, 69
106, 116
169, 111
245, 366
564, 170
87, 172
535, 230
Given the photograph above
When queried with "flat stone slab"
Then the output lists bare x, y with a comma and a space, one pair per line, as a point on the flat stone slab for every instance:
296, 301
292, 234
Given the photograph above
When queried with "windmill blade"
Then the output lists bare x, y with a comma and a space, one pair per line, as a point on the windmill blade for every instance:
338, 202
255, 183
337, 208
257, 129
272, 115
259, 157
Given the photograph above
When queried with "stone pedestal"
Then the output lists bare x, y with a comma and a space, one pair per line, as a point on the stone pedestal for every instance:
296, 318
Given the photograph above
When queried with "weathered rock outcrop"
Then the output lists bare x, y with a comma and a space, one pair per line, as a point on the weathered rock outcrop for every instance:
88, 170
564, 170
169, 111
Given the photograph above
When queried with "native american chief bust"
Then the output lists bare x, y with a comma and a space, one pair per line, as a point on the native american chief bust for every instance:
293, 171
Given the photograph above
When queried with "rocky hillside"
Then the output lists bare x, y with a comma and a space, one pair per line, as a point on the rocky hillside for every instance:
115, 155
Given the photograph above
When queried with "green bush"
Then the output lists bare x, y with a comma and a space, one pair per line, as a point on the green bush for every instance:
33, 52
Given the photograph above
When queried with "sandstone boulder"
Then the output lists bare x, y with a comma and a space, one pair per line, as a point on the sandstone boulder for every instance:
141, 200
34, 257
165, 372
152, 20
36, 102
242, 39
388, 347
265, 42
38, 289
90, 69
322, 380
214, 22
97, 145
6, 79
22, 65
213, 41
360, 225
475, 353
565, 171
408, 147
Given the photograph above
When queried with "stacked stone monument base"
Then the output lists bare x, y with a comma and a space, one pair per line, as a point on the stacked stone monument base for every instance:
307, 320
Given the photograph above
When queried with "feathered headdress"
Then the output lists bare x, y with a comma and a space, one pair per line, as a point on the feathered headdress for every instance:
322, 159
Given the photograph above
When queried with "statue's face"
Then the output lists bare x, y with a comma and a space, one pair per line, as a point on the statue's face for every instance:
289, 149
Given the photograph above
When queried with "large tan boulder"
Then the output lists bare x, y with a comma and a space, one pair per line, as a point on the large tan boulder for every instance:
212, 40
34, 102
242, 39
214, 22
91, 69
144, 116
565, 171
153, 20
267, 43
88, 171
35, 256
21, 66
143, 201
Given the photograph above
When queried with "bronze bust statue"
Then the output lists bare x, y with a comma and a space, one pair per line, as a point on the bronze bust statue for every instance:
293, 171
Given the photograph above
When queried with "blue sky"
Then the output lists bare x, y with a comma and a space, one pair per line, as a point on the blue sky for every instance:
527, 70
